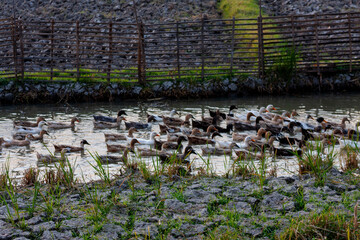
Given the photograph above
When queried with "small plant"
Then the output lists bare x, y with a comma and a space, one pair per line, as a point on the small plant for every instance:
30, 177
31, 208
349, 158
101, 171
299, 199
326, 225
315, 162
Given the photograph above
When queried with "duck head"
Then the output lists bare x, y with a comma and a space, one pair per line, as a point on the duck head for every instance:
153, 135
151, 118
270, 107
74, 119
320, 120
121, 112
215, 134
120, 118
41, 124
189, 150
83, 142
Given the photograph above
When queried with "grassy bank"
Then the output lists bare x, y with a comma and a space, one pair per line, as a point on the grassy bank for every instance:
239, 8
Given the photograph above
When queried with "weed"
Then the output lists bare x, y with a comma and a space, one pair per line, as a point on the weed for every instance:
299, 199
30, 177
100, 170
313, 161
326, 225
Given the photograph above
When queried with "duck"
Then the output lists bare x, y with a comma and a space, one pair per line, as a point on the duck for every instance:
243, 154
165, 129
39, 137
103, 125
115, 136
150, 141
19, 136
177, 158
246, 143
33, 130
341, 125
216, 151
13, 143
353, 135
60, 125
177, 121
241, 126
108, 159
59, 147
158, 118
209, 131
101, 118
268, 114
229, 128
231, 114
237, 137
29, 124
225, 145
200, 140
203, 124
138, 125
149, 152
177, 146
119, 147
240, 118
49, 158
283, 151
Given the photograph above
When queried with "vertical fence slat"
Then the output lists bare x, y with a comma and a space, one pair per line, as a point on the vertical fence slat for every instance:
202, 49
14, 39
77, 51
350, 42
21, 37
110, 53
52, 50
178, 49
141, 54
317, 44
232, 46
261, 65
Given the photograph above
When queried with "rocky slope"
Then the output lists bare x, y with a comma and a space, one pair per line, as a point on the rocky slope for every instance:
294, 7
104, 10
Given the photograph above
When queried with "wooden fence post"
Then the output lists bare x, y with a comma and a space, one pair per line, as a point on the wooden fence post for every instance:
202, 50
178, 49
52, 50
232, 46
14, 39
77, 51
21, 29
110, 52
141, 54
350, 42
261, 64
317, 44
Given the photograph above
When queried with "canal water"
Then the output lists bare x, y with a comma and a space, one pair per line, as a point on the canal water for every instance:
331, 107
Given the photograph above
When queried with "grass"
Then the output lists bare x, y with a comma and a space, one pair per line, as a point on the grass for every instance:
325, 225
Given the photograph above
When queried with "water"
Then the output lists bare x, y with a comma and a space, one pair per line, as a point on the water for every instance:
332, 107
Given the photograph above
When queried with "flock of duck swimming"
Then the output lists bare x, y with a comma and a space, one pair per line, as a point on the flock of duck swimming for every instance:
253, 133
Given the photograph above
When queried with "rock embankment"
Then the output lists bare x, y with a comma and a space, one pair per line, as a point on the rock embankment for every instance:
105, 10
299, 7
177, 208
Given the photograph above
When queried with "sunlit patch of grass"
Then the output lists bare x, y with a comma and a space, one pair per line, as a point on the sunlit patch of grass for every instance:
325, 225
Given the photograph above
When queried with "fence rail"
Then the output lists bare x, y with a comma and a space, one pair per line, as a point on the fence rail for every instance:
142, 52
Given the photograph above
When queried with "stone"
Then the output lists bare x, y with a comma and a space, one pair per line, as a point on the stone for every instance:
34, 220
233, 87
198, 196
174, 204
145, 229
239, 207
42, 227
50, 235
111, 231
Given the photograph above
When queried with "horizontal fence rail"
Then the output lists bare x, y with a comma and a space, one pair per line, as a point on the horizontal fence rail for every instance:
140, 52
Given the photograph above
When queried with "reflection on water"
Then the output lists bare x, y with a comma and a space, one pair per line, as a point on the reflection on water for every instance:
329, 106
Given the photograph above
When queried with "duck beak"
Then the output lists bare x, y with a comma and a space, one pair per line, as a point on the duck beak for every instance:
273, 108
266, 110
325, 121
252, 140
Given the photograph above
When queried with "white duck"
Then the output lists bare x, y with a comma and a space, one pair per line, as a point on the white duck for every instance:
32, 130
246, 143
150, 141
